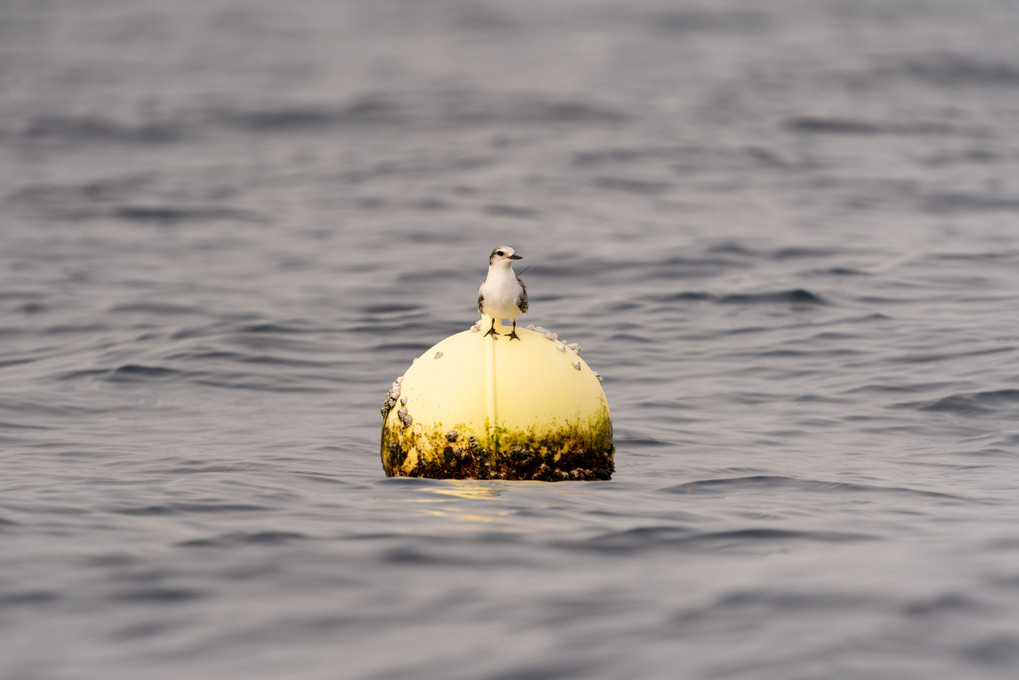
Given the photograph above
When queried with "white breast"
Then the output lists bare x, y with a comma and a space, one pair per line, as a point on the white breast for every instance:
500, 292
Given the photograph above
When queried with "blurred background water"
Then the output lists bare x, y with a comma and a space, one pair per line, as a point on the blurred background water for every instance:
786, 232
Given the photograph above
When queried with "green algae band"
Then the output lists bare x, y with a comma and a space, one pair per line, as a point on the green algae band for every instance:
477, 407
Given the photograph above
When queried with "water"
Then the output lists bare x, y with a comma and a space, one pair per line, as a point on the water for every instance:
785, 233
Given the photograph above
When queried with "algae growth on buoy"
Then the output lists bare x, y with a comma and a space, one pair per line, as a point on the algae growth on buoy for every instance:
479, 406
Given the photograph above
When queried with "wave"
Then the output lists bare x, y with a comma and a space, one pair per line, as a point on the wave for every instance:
786, 601
794, 297
852, 126
1001, 651
100, 129
839, 271
156, 308
115, 199
956, 70
776, 482
373, 111
781, 254
140, 373
424, 108
952, 202
632, 186
31, 598
269, 364
701, 21
235, 539
673, 537
944, 603
512, 211
161, 594
970, 403
170, 214
798, 296
687, 159
421, 108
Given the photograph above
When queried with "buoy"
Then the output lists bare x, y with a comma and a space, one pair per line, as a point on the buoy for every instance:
494, 407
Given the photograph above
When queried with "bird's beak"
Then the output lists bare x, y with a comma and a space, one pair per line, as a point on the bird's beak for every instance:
515, 257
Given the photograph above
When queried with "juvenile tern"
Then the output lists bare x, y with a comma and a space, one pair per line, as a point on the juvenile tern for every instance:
502, 295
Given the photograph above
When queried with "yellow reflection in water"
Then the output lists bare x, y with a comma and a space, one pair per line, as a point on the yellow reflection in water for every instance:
467, 490
471, 489
472, 501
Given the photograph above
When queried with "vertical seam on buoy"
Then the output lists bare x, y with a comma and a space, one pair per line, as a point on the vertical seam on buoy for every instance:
490, 356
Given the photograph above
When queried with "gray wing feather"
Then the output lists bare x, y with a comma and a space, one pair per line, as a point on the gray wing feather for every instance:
522, 300
481, 301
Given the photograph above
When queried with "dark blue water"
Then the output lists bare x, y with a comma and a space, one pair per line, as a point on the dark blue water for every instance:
786, 232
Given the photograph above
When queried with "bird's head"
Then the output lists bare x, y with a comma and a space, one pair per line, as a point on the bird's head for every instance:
503, 254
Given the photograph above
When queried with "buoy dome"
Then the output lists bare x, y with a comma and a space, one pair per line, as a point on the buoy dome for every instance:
489, 407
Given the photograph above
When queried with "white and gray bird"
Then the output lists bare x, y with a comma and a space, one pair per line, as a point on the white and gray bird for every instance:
502, 295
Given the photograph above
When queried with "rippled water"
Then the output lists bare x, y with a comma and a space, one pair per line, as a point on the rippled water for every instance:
787, 234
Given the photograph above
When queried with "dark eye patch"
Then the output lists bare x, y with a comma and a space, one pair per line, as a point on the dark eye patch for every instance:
499, 252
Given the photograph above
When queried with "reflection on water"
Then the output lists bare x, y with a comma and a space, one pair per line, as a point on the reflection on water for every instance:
471, 489
505, 505
477, 494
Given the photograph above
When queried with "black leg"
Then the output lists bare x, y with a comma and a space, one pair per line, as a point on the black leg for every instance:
491, 331
513, 334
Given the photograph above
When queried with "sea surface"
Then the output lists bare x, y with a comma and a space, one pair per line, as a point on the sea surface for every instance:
785, 232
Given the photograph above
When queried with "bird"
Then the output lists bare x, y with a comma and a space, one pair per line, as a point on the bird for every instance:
502, 295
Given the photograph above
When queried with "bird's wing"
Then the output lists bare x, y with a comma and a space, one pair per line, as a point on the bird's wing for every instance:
522, 298
481, 299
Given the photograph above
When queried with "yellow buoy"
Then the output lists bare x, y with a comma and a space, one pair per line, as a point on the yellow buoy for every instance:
492, 407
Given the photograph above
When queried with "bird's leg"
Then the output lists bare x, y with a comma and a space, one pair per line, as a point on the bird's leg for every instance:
491, 331
513, 333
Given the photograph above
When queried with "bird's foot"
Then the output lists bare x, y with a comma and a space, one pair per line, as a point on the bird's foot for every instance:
491, 331
513, 335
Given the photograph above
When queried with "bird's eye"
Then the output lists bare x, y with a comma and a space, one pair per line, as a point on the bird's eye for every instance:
499, 252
